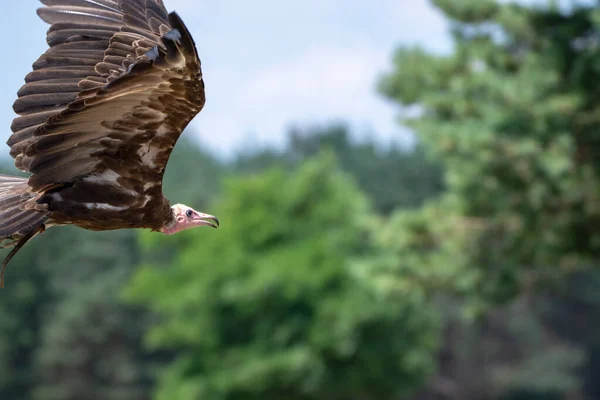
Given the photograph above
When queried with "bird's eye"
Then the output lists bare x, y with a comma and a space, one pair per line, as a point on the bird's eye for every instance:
188, 213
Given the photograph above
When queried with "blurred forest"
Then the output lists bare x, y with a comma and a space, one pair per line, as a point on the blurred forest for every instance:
463, 268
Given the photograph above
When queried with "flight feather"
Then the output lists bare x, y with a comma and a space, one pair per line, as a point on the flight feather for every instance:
98, 117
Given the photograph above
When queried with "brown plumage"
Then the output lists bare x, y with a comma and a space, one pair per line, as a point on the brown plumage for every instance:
98, 118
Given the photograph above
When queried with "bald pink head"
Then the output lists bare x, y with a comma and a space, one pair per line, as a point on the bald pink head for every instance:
185, 217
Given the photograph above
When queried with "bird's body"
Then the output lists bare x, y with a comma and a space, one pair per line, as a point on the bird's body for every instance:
98, 118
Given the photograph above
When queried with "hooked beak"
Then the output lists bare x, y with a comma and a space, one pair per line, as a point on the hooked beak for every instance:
206, 220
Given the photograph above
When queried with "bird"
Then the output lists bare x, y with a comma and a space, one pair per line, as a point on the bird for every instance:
97, 119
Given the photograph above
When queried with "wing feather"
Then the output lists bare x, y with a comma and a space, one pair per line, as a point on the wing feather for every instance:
112, 5
85, 52
120, 82
77, 15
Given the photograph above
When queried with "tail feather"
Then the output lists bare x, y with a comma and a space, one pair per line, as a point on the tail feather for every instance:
23, 222
19, 221
16, 217
8, 200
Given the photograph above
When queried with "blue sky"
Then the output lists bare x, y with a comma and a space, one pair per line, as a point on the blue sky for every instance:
268, 64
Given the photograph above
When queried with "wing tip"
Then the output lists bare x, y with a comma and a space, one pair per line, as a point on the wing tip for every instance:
185, 37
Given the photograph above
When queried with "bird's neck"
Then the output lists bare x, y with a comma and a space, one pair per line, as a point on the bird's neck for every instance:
171, 226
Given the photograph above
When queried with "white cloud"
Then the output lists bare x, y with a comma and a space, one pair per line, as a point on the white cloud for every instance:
323, 84
323, 76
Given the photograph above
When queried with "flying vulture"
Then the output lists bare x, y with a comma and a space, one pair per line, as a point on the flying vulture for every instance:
97, 119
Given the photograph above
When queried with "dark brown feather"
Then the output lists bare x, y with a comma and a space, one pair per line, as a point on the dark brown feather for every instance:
103, 109
17, 207
98, 118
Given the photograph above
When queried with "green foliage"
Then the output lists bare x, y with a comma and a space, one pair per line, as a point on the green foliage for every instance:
21, 310
276, 304
510, 116
193, 175
468, 10
391, 177
64, 332
87, 349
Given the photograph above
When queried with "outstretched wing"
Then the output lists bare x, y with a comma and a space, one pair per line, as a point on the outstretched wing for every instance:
105, 105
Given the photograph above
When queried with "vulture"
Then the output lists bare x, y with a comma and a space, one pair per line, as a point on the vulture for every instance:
97, 119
